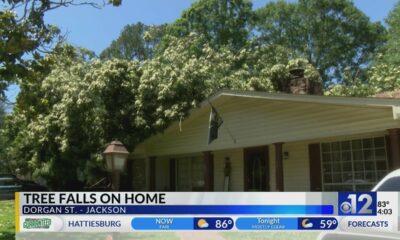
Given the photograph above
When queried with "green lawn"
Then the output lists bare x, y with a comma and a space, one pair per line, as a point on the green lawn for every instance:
7, 217
98, 236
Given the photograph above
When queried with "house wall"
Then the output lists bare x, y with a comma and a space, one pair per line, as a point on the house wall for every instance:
236, 180
296, 167
255, 122
162, 174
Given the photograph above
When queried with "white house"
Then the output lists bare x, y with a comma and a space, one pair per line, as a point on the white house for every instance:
275, 142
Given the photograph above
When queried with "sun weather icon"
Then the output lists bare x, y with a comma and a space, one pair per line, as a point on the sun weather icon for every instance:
306, 224
202, 223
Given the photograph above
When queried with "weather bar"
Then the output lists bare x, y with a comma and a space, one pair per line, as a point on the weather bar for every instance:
248, 223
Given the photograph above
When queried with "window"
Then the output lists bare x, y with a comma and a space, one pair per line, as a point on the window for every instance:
355, 165
190, 174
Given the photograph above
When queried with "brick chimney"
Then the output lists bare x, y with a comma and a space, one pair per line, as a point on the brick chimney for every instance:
300, 85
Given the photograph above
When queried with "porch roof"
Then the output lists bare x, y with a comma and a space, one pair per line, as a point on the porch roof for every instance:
237, 108
336, 100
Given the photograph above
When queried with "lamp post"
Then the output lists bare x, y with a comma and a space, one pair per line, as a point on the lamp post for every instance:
115, 156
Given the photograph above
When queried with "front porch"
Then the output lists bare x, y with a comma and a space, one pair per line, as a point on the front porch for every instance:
348, 163
275, 142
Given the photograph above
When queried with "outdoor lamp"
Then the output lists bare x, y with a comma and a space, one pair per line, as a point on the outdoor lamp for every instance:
115, 156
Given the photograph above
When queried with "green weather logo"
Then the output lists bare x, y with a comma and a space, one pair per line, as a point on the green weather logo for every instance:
37, 223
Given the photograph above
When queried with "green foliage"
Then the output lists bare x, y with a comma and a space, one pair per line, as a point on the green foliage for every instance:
26, 34
70, 106
190, 69
391, 50
333, 35
384, 74
136, 42
18, 37
222, 22
60, 125
356, 89
2, 114
3, 141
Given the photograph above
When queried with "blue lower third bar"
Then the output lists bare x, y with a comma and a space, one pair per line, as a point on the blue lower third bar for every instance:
181, 209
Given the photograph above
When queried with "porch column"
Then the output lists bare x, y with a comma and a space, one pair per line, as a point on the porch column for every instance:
208, 171
394, 148
152, 173
279, 167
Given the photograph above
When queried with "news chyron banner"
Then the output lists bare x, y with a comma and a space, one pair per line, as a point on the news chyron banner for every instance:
221, 212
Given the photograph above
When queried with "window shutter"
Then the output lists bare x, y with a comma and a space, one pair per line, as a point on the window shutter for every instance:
315, 167
172, 175
152, 169
388, 152
208, 171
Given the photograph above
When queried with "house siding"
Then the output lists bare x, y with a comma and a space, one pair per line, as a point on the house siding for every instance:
258, 122
236, 180
296, 166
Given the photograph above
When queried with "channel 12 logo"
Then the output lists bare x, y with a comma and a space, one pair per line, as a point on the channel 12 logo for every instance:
357, 203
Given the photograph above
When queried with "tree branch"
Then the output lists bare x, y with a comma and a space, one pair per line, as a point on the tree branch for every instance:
30, 6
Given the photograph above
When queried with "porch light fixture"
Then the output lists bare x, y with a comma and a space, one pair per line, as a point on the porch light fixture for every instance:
115, 156
285, 155
228, 167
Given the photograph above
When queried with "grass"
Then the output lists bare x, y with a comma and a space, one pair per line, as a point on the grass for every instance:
97, 236
7, 220
169, 236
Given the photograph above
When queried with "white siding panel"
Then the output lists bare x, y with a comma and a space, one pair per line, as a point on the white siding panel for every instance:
260, 122
296, 169
236, 158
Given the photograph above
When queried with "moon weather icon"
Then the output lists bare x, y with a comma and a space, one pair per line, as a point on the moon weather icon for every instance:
306, 224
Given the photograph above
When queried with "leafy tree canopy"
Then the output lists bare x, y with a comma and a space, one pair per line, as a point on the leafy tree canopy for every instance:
222, 22
77, 104
23, 33
3, 141
136, 42
335, 36
384, 72
391, 52
190, 69
60, 124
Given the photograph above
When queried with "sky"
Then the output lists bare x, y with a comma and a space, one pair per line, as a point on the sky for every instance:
95, 29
